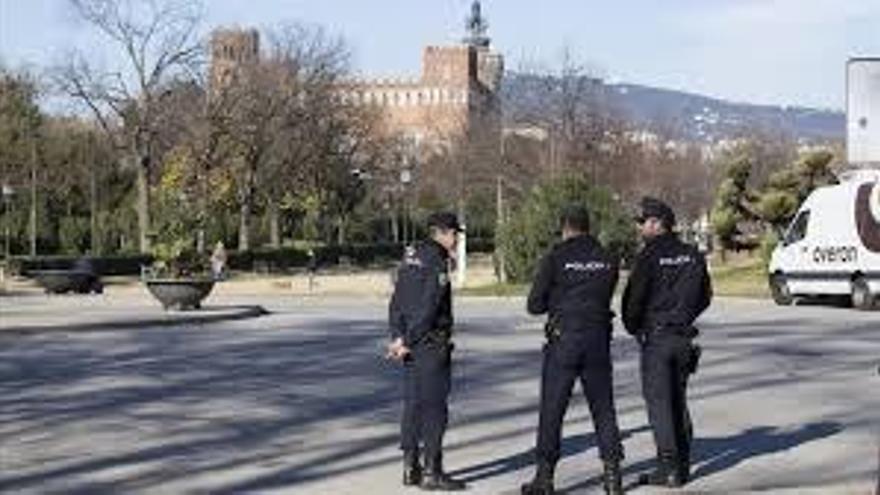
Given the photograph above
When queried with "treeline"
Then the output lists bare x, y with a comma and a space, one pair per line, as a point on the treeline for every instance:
163, 158
157, 158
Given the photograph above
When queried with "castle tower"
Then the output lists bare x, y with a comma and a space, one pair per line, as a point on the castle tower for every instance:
477, 27
449, 66
489, 64
232, 50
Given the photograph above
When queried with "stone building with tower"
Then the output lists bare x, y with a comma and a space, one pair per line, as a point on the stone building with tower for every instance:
456, 94
232, 52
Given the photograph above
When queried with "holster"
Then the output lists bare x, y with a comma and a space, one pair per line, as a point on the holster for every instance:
553, 328
694, 354
441, 337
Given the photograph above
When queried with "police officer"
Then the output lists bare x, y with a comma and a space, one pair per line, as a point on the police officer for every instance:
421, 326
574, 285
668, 289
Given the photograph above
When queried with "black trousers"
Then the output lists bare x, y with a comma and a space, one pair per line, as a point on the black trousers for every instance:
426, 384
584, 356
665, 364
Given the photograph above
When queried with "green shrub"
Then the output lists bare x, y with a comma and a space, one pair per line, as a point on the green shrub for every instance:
768, 244
533, 227
74, 234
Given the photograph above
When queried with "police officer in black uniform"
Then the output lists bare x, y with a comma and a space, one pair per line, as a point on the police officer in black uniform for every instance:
669, 287
421, 328
574, 285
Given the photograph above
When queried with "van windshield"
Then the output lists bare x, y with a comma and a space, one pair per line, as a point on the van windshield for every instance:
798, 229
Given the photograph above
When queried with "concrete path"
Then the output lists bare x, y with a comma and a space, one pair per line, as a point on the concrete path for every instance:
301, 402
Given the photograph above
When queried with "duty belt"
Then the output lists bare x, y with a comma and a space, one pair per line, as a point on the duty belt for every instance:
439, 335
688, 331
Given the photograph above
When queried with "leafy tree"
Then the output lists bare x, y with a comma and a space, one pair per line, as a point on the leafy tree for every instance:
533, 226
786, 189
734, 201
21, 123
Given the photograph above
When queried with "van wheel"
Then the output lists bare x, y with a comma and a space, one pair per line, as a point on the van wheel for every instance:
779, 290
861, 295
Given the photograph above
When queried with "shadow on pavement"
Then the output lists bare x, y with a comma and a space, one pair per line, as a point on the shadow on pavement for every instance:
713, 455
716, 454
251, 404
571, 445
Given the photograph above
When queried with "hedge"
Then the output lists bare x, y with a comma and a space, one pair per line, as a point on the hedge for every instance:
262, 259
104, 265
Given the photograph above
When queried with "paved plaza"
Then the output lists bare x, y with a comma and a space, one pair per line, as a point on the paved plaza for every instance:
301, 402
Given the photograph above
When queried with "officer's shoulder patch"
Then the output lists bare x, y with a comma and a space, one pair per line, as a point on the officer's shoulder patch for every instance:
410, 257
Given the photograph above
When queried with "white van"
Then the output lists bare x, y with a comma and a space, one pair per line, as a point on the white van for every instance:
832, 247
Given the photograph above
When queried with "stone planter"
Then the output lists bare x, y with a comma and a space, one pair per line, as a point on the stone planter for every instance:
63, 281
180, 294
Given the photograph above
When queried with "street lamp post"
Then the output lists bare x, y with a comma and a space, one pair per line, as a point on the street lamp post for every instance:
499, 213
405, 180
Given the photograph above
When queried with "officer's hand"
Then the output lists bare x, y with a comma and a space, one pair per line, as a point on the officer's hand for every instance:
397, 351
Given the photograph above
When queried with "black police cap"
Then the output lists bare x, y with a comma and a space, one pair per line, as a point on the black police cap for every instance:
445, 220
655, 208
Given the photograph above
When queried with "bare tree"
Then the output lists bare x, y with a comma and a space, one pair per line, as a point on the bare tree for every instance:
196, 119
157, 41
314, 124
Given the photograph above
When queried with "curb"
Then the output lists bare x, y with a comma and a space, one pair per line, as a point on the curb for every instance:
169, 319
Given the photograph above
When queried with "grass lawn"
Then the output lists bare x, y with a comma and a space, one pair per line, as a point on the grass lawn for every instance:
495, 290
740, 276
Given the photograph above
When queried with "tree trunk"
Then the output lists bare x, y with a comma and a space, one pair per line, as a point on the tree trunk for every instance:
406, 227
274, 225
395, 227
246, 196
499, 224
93, 214
203, 211
461, 255
340, 230
33, 215
244, 226
143, 203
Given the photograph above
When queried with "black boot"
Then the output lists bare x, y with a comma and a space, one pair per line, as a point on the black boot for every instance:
684, 468
666, 474
412, 468
435, 479
613, 480
542, 484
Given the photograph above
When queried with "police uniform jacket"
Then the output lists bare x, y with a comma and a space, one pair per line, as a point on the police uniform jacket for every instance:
574, 284
669, 287
421, 305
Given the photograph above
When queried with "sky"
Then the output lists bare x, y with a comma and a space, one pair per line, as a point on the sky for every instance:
781, 52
